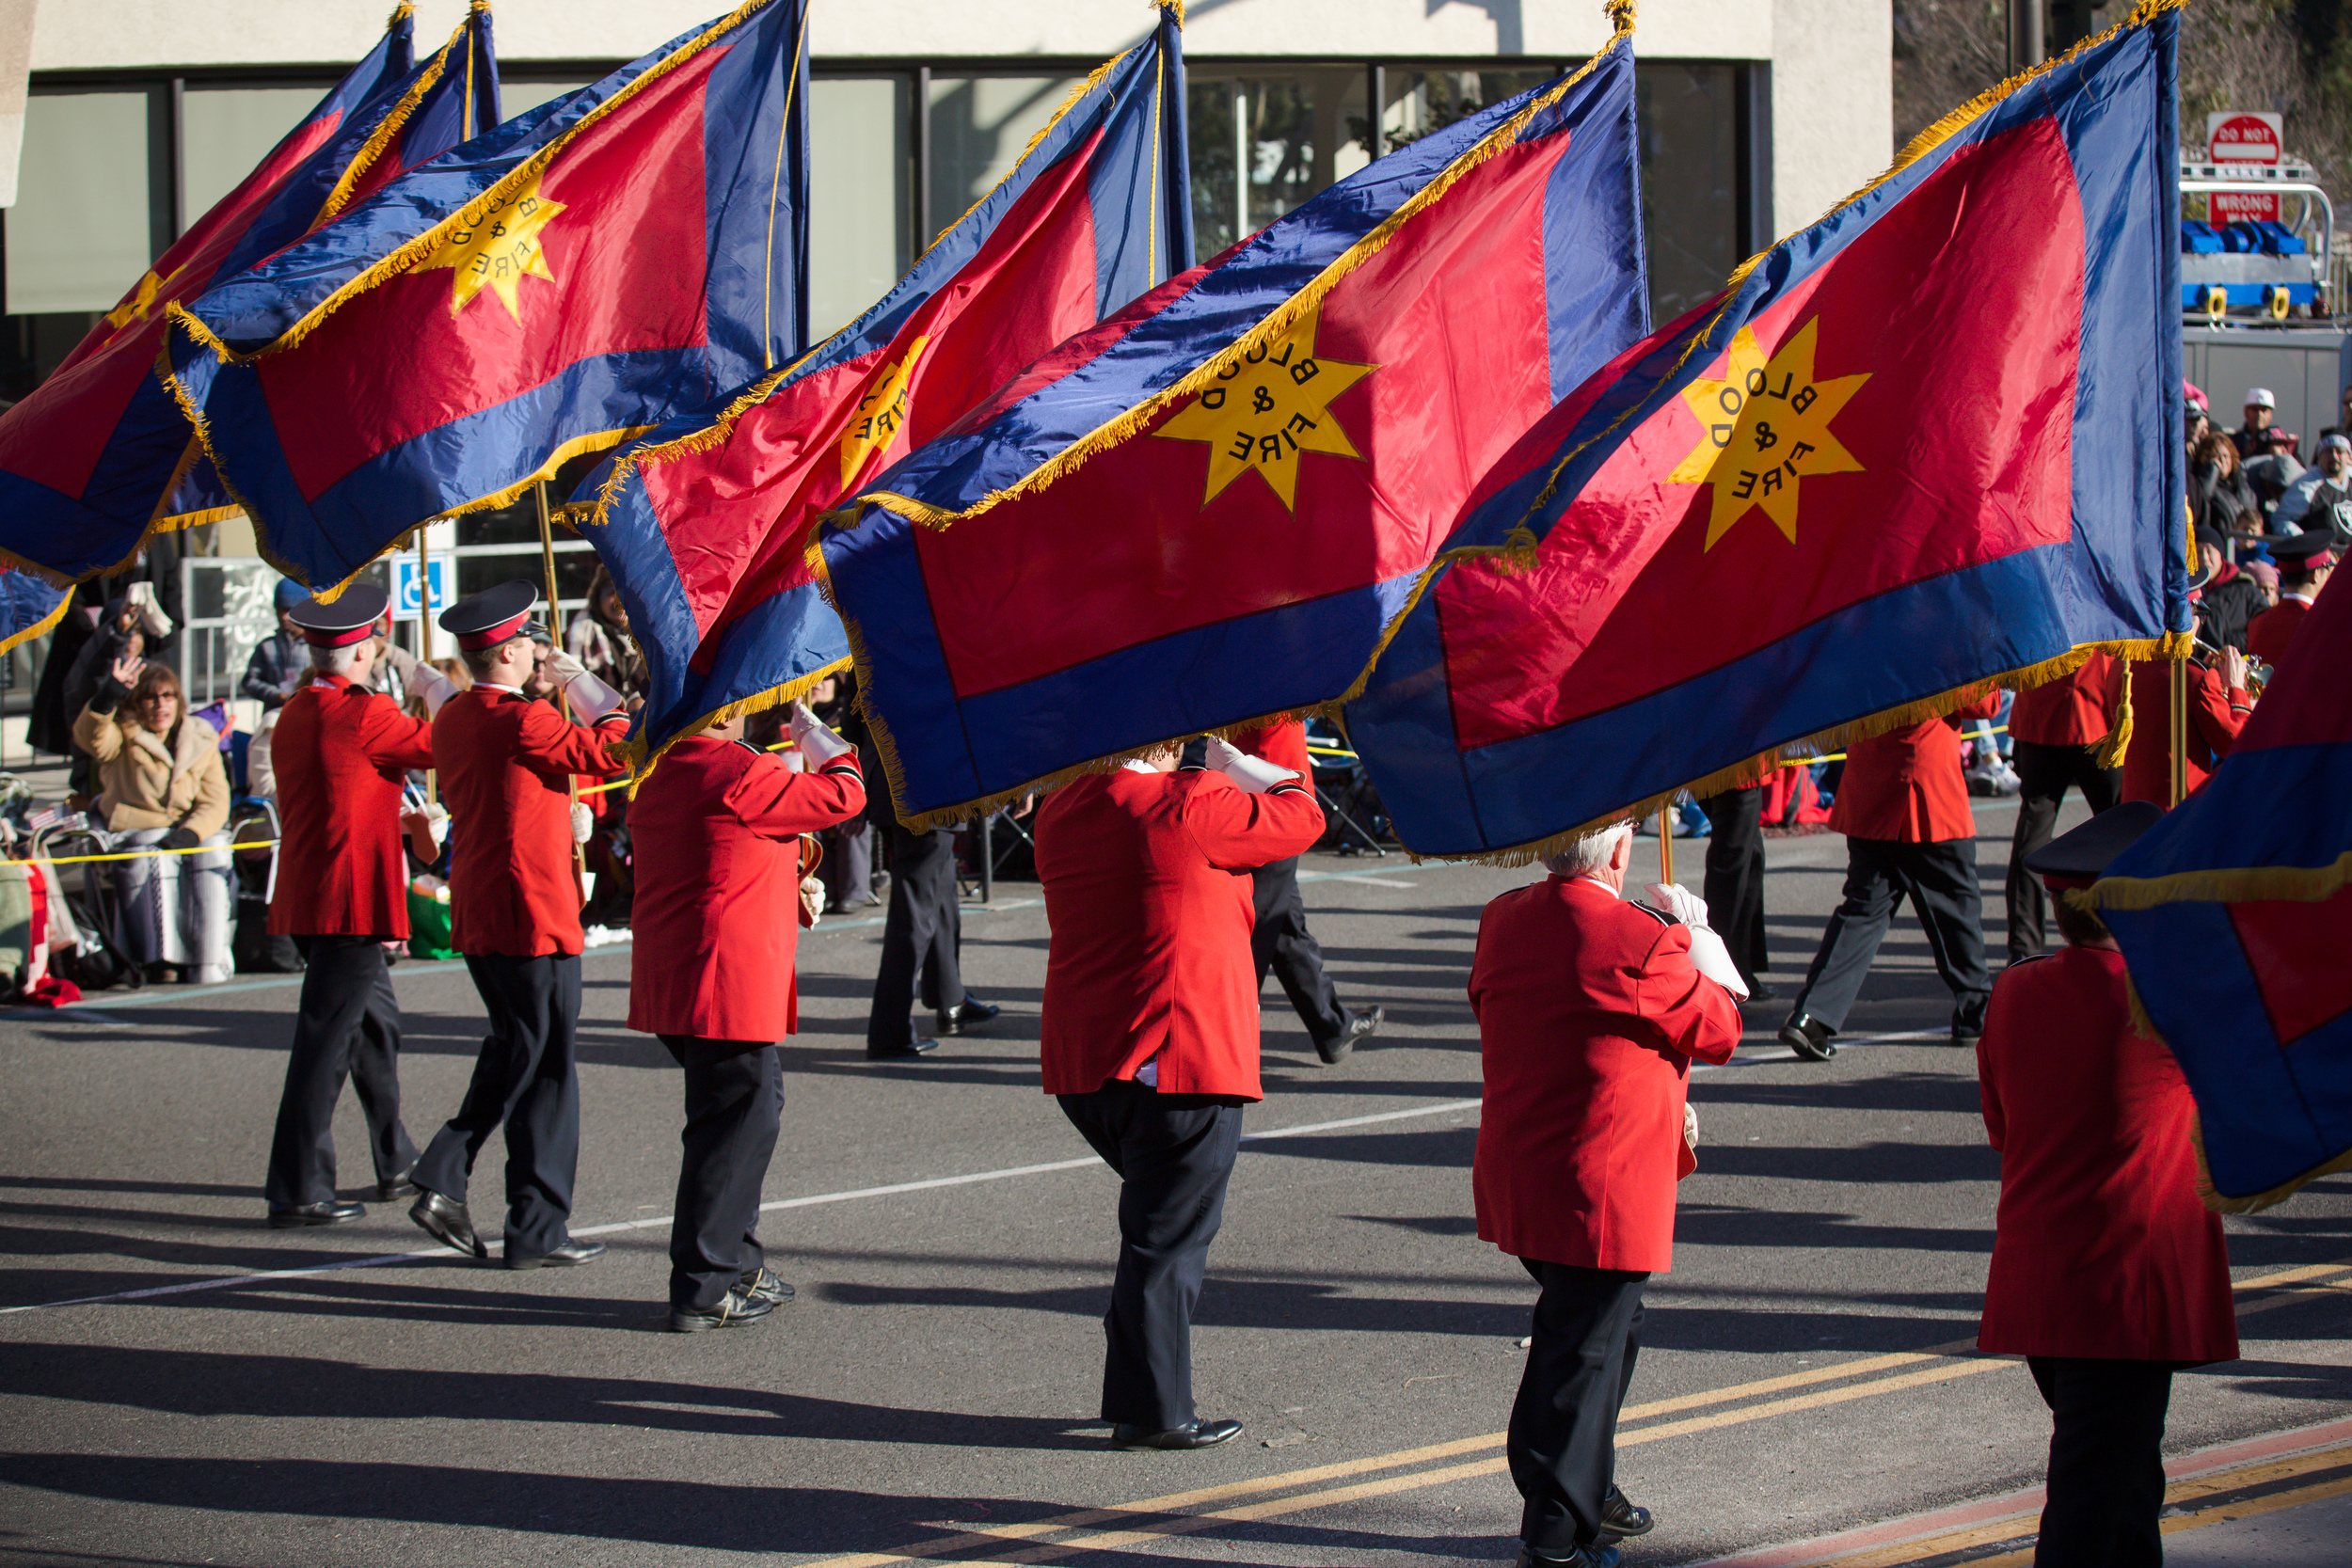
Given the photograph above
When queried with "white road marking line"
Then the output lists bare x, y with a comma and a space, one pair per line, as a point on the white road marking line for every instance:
223, 1281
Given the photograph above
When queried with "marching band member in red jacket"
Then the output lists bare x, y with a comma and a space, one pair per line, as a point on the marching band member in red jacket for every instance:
2219, 706
1590, 1012
2304, 563
1904, 807
343, 755
2109, 1274
1279, 937
505, 765
1150, 1034
2057, 728
718, 911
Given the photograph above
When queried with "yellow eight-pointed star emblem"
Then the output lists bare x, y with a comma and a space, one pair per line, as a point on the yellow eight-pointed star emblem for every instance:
498, 248
1767, 424
1269, 403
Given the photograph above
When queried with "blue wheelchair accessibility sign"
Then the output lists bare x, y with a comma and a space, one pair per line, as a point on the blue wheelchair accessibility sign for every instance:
406, 592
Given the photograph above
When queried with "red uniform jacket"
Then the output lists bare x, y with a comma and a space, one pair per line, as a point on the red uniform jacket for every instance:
2216, 714
1589, 1014
2103, 1250
2076, 711
341, 753
505, 765
2272, 632
1906, 786
1148, 894
716, 915
1284, 745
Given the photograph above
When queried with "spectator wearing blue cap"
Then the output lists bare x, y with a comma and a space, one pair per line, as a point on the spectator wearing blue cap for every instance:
2321, 496
281, 661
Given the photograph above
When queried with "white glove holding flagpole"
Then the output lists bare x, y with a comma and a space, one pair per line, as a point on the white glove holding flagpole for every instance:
421, 678
591, 699
1674, 899
1714, 961
816, 742
1254, 774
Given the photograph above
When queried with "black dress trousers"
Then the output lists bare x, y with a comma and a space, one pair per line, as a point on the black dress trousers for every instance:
2043, 774
1173, 1153
1563, 1441
526, 1079
348, 1024
2106, 1461
734, 1106
1940, 880
1734, 889
921, 934
1280, 941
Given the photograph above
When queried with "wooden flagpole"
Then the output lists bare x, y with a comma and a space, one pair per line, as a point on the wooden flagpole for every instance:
563, 703
2179, 706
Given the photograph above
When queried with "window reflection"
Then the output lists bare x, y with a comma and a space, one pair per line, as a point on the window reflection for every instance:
1264, 142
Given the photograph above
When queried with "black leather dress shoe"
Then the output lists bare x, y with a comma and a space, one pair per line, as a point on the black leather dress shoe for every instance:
1192, 1435
1762, 992
397, 1188
763, 1283
1963, 1035
1361, 1022
914, 1052
1583, 1556
569, 1256
1620, 1519
1808, 1037
965, 1016
334, 1212
447, 1223
737, 1307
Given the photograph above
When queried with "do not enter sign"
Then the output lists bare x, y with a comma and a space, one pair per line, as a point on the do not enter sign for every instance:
2242, 137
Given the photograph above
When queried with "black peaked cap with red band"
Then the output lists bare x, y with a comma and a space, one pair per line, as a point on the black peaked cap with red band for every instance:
490, 617
2305, 552
352, 618
2081, 857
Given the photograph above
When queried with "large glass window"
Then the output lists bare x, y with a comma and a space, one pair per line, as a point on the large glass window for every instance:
1262, 142
1418, 99
225, 133
979, 126
83, 228
1690, 180
860, 194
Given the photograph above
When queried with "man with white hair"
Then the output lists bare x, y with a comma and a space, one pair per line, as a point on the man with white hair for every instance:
1591, 1010
342, 754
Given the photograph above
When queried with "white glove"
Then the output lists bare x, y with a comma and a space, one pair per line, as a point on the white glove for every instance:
1254, 774
1691, 1126
1674, 899
1714, 961
816, 742
813, 898
424, 681
152, 617
436, 820
583, 821
590, 697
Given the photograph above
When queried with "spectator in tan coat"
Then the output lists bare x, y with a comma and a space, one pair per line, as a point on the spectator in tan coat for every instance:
162, 786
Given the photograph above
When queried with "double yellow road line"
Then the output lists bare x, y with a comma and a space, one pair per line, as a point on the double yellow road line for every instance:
1209, 1507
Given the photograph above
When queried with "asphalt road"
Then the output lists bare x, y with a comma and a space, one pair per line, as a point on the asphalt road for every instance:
309, 1398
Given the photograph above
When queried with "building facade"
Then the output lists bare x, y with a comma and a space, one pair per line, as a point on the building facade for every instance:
1757, 117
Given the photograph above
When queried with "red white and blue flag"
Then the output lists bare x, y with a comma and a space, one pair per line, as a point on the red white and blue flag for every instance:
705, 524
1212, 506
2234, 913
1931, 441
550, 288
98, 455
